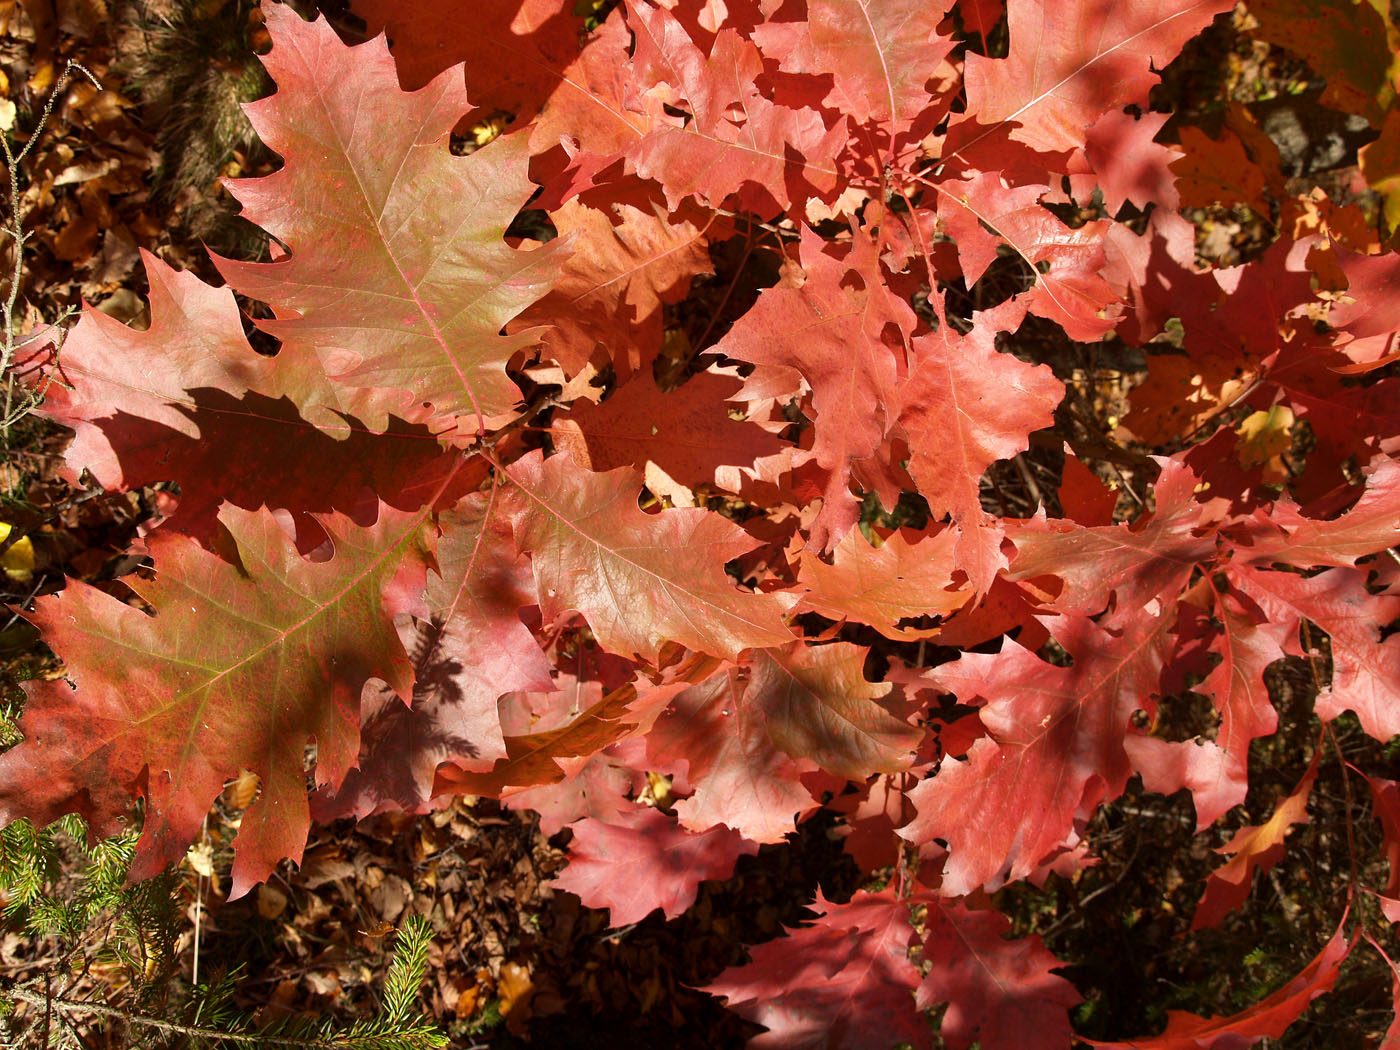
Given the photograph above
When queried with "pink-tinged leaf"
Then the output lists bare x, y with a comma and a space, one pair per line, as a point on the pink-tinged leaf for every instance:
1056, 750
1369, 526
194, 341
836, 331
1368, 317
246, 661
1201, 766
629, 261
1070, 291
667, 60
843, 983
679, 440
639, 579
872, 816
588, 114
599, 790
382, 286
1070, 63
738, 143
167, 403
1127, 162
1266, 1019
1257, 847
1247, 644
881, 54
1390, 907
880, 586
738, 775
1001, 994
1385, 798
965, 406
818, 705
1391, 1039
550, 755
961, 208
1150, 559
1365, 670
468, 649
642, 860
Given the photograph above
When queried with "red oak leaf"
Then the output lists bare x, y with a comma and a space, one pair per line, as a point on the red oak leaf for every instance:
680, 439
871, 816
248, 659
1253, 848
1367, 318
1369, 526
1365, 671
1056, 750
593, 115
959, 206
1000, 994
965, 406
881, 56
766, 156
836, 331
642, 860
1151, 559
1068, 263
550, 755
514, 56
812, 703
1127, 162
638, 579
1391, 1039
600, 790
379, 285
738, 775
880, 586
1385, 800
1347, 420
1070, 63
981, 16
1266, 1019
1070, 290
818, 704
1003, 609
468, 649
165, 404
1218, 171
844, 982
1083, 495
1346, 48
1247, 643
612, 288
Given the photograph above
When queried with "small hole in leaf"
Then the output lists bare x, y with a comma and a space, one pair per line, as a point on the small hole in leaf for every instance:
250, 311
533, 224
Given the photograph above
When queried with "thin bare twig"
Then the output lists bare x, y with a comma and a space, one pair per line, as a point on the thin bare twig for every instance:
17, 405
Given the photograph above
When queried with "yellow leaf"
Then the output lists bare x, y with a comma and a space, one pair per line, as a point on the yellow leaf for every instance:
18, 560
1264, 437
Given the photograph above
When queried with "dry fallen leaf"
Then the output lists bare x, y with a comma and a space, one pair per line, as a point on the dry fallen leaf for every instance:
272, 902
516, 989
